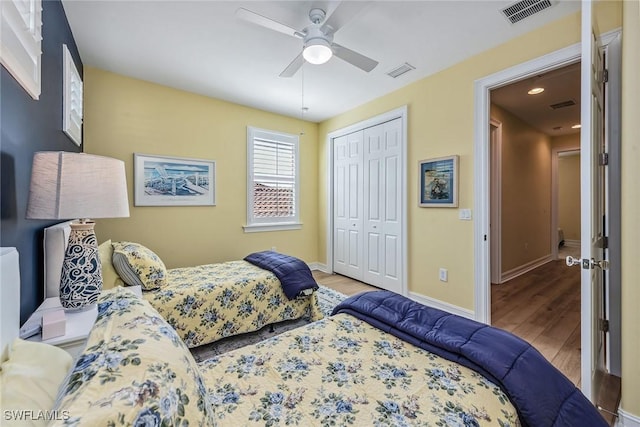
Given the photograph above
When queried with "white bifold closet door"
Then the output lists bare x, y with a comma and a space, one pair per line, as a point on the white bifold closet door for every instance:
367, 205
348, 203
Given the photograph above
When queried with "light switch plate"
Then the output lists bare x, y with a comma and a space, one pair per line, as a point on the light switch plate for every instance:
464, 214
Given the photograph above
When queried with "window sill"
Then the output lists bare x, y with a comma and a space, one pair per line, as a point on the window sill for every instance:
257, 228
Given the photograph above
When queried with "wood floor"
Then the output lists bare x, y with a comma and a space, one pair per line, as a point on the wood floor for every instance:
342, 284
542, 307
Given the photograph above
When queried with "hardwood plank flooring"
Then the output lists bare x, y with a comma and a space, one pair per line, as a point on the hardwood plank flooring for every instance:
342, 284
542, 307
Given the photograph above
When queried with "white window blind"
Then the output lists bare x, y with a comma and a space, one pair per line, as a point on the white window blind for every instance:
21, 42
72, 114
273, 177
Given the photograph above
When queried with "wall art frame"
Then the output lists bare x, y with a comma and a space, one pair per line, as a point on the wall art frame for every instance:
438, 182
173, 181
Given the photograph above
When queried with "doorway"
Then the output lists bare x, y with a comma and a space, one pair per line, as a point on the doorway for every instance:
534, 295
555, 60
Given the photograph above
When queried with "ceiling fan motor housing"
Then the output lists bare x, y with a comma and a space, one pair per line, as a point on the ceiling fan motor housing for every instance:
313, 32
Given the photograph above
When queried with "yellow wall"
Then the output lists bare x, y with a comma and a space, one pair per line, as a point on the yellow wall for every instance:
526, 192
124, 116
440, 123
630, 209
566, 142
569, 196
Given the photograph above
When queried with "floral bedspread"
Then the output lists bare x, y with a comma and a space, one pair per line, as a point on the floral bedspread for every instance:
214, 301
342, 371
135, 371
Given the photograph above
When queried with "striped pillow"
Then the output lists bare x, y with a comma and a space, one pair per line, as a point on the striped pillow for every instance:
138, 265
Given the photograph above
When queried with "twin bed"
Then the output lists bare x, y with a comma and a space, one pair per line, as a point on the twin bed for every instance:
208, 302
379, 360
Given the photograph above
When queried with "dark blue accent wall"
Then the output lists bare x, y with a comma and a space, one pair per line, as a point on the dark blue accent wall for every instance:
28, 126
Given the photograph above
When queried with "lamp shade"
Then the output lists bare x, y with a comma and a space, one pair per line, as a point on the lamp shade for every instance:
77, 185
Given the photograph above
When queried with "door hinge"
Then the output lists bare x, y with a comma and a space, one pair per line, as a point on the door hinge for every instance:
603, 160
605, 76
604, 325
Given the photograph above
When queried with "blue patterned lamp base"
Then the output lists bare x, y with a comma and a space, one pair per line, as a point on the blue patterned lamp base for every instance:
81, 278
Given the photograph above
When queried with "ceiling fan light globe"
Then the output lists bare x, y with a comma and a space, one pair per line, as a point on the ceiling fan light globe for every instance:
317, 52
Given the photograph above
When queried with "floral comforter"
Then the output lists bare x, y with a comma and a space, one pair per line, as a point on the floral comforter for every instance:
342, 371
214, 301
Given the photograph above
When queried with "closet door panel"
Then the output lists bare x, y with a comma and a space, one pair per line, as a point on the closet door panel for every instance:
348, 206
392, 211
374, 202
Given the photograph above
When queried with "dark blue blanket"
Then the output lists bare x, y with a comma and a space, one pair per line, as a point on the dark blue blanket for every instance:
293, 273
542, 395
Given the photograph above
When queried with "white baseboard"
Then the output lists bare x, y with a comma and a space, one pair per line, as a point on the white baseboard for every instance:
445, 306
626, 419
572, 243
318, 266
525, 268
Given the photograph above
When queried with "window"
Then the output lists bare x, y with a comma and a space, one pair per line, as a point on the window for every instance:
272, 199
21, 42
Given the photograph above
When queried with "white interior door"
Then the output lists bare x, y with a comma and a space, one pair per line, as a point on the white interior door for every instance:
374, 196
348, 205
592, 193
382, 205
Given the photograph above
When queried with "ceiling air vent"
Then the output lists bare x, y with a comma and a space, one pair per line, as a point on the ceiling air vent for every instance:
562, 104
398, 71
524, 9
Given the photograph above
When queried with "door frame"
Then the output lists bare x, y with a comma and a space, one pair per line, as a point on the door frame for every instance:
555, 203
402, 113
495, 164
481, 154
482, 88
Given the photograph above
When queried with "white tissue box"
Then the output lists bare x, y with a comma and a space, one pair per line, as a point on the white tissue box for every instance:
53, 324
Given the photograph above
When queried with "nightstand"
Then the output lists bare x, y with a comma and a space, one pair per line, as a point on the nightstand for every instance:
77, 327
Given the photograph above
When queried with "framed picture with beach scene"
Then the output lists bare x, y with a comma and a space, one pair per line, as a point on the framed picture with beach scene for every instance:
439, 182
173, 181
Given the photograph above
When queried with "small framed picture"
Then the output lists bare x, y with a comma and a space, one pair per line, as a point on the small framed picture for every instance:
439, 182
173, 181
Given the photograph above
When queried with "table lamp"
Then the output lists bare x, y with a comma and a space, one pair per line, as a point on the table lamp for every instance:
78, 186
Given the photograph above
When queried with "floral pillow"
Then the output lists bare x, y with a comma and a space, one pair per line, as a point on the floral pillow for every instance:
138, 265
135, 371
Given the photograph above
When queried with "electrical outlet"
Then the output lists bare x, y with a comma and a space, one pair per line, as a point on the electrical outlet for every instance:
444, 275
273, 248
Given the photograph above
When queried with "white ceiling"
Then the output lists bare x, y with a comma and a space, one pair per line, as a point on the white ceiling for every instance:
200, 46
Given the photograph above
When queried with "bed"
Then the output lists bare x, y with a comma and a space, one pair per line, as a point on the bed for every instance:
203, 303
352, 368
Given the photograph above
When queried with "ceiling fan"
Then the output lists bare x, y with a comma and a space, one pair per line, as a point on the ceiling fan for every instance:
317, 37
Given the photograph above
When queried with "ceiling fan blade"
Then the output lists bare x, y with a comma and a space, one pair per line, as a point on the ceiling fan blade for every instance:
293, 67
263, 21
345, 11
354, 58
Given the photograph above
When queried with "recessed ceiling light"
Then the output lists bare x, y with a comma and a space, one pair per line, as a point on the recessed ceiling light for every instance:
577, 126
536, 90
